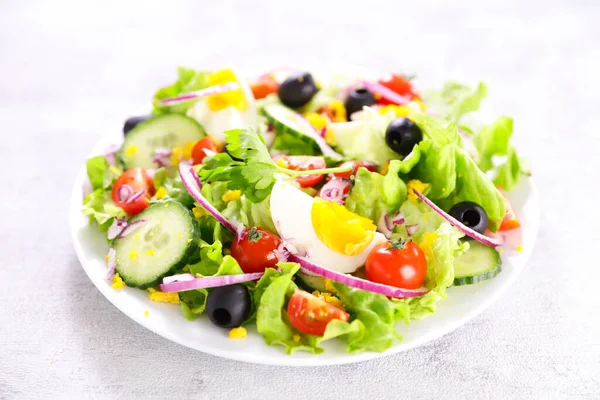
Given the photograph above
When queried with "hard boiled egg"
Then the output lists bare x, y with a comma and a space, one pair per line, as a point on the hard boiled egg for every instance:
230, 110
329, 234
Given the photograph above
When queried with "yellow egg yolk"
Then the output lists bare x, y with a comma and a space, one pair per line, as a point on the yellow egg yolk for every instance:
340, 229
235, 98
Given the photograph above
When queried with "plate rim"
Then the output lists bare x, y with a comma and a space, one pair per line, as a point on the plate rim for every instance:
290, 360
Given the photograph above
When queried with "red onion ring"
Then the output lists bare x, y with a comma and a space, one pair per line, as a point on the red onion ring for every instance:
227, 87
208, 282
358, 283
335, 190
112, 263
192, 184
461, 227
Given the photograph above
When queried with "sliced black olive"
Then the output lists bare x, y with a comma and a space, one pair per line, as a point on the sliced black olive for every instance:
228, 306
357, 99
470, 214
133, 121
402, 134
297, 90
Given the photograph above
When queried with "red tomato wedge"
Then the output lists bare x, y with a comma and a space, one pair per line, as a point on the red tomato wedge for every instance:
127, 185
310, 314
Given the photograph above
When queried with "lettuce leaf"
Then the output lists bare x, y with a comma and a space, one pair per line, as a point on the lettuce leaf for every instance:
497, 156
99, 206
100, 173
441, 161
365, 140
374, 194
375, 317
455, 100
189, 80
172, 183
212, 263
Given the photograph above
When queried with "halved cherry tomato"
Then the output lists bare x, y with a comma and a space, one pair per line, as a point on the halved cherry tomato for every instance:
355, 165
510, 220
398, 84
397, 264
254, 250
264, 87
206, 143
310, 314
303, 163
136, 180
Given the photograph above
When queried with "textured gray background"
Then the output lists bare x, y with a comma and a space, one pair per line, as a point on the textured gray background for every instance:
71, 71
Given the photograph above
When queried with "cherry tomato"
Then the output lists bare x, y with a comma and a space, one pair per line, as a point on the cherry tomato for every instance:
355, 165
137, 180
397, 264
264, 87
510, 220
206, 143
303, 163
254, 250
310, 314
398, 84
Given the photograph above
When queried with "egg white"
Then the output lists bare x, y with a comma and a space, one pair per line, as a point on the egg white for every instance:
291, 212
217, 122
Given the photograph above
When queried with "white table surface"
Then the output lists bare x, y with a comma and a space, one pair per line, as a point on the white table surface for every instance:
72, 71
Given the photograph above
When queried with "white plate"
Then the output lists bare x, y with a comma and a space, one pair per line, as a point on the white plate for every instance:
463, 303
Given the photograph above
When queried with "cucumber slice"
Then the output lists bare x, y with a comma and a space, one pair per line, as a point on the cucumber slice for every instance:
159, 247
285, 120
477, 264
168, 130
312, 282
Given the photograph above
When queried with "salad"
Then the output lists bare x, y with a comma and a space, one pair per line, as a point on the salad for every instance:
314, 207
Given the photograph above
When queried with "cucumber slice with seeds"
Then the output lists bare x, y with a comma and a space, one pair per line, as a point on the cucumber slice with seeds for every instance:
477, 264
167, 131
159, 247
285, 120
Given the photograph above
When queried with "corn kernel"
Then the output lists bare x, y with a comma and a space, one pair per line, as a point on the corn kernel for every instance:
296, 338
187, 150
131, 150
161, 192
415, 184
161, 297
238, 333
117, 282
199, 212
231, 195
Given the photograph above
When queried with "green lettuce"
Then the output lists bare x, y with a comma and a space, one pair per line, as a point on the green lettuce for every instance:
101, 209
497, 156
171, 181
365, 139
455, 100
100, 173
441, 161
374, 194
212, 263
189, 80
375, 317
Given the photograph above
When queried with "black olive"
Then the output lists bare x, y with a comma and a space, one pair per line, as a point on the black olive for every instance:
297, 90
133, 121
402, 134
357, 99
470, 214
228, 306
